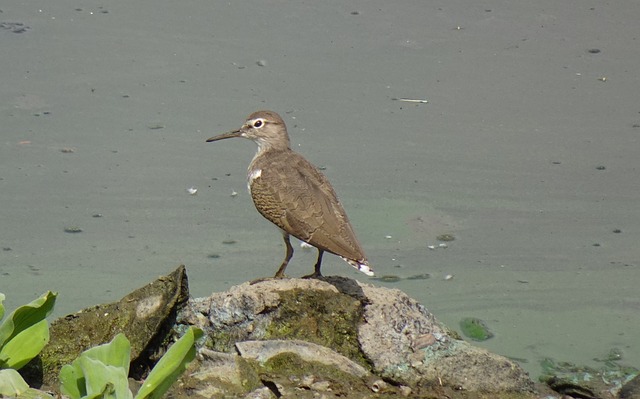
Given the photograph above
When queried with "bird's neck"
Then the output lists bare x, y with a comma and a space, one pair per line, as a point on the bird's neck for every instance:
267, 152
265, 146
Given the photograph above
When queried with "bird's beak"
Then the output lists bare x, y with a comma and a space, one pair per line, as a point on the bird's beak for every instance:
228, 135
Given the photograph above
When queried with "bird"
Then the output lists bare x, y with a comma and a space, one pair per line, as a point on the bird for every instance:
293, 194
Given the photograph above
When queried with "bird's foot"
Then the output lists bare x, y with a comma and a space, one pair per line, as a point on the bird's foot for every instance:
316, 275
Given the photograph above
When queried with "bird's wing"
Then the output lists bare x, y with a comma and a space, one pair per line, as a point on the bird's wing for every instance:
294, 195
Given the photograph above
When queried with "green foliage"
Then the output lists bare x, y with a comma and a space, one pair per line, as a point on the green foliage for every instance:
11, 383
101, 372
23, 334
171, 366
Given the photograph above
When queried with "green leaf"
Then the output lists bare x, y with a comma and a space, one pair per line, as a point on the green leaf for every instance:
25, 316
104, 381
1, 305
115, 353
11, 383
24, 346
171, 366
99, 372
72, 382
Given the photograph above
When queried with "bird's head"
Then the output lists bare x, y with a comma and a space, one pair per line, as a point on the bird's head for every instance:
265, 128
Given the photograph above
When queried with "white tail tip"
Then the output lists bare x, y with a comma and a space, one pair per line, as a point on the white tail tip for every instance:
362, 266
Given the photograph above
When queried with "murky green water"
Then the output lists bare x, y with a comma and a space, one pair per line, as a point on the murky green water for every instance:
105, 109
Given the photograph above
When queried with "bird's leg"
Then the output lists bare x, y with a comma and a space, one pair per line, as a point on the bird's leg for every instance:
287, 257
316, 272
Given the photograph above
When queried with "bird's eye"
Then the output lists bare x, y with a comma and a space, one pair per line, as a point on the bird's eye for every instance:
258, 123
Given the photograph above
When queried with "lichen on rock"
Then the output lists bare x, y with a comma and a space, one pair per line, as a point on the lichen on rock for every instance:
382, 330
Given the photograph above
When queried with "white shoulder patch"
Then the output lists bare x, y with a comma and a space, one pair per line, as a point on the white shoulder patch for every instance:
255, 174
252, 176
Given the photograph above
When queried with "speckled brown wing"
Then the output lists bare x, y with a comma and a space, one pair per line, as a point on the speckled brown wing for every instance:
291, 193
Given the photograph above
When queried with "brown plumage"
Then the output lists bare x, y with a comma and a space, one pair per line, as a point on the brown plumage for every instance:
295, 196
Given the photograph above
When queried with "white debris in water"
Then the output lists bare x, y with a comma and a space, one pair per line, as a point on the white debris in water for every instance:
192, 190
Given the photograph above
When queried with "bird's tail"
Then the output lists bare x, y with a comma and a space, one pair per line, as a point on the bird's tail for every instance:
361, 265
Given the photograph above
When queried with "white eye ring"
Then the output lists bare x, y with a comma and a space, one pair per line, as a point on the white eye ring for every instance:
258, 123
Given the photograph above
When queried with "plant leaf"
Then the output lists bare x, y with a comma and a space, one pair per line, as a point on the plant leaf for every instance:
115, 353
11, 383
25, 316
100, 371
171, 366
104, 381
72, 383
24, 346
1, 305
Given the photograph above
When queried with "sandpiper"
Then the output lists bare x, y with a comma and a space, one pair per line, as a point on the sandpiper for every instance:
295, 196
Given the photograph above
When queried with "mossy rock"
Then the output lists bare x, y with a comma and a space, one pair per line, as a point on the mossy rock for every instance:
322, 317
145, 316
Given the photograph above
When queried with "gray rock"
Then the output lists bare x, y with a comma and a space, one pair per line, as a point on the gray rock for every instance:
334, 337
263, 351
218, 374
378, 334
631, 390
407, 345
261, 393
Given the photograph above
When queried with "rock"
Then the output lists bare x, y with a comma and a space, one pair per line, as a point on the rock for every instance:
263, 351
298, 338
261, 393
218, 374
145, 316
408, 346
308, 310
366, 334
611, 380
631, 390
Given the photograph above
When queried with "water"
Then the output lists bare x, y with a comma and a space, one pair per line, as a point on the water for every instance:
526, 152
